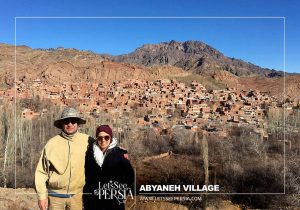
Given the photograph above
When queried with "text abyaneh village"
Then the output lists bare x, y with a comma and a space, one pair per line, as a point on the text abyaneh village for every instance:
179, 188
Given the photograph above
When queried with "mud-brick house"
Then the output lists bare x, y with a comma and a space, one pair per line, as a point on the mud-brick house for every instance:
197, 86
296, 103
85, 104
204, 115
150, 104
132, 104
153, 118
94, 95
141, 122
58, 102
221, 110
54, 95
188, 122
194, 109
107, 104
162, 111
1, 95
162, 102
24, 94
101, 90
28, 114
288, 107
200, 121
124, 108
259, 112
234, 118
165, 82
192, 101
204, 108
124, 99
232, 97
180, 104
247, 113
170, 109
37, 83
180, 86
100, 101
274, 104
163, 90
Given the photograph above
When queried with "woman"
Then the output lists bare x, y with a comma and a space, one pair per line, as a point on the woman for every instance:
109, 174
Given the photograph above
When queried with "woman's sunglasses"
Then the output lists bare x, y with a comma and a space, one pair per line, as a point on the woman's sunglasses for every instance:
106, 138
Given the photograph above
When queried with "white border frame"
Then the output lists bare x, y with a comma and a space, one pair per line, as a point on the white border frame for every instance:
166, 17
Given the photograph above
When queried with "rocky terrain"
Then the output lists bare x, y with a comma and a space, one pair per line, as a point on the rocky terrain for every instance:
288, 86
187, 61
62, 65
194, 56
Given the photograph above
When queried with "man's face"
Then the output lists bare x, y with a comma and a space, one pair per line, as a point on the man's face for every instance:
70, 125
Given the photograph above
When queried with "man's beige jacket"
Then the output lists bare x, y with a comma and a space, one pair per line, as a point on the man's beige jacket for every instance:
61, 166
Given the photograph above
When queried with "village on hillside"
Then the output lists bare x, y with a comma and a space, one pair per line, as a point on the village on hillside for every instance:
166, 103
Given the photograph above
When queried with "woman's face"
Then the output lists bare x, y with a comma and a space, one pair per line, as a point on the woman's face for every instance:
103, 140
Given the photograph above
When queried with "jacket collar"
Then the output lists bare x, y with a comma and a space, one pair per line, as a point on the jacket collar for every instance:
69, 137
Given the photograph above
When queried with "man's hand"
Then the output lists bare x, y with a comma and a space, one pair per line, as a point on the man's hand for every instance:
43, 204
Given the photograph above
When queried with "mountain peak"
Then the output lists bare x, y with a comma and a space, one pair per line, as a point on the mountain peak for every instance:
194, 56
190, 46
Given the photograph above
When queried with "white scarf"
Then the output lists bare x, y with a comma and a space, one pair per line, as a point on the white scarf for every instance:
99, 155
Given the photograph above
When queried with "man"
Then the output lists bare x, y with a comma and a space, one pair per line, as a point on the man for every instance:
59, 176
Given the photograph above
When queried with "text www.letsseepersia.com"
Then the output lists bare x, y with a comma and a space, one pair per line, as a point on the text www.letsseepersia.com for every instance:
170, 198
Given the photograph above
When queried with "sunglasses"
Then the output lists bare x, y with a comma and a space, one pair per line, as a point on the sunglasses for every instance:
70, 120
106, 138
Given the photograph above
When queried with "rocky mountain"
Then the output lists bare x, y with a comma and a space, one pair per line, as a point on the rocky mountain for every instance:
63, 65
173, 60
194, 56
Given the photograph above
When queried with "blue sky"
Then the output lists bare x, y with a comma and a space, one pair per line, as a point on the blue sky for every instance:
259, 41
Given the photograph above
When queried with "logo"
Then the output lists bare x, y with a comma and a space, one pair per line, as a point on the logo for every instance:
114, 190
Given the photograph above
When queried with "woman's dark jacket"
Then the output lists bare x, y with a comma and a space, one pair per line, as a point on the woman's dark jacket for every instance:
115, 167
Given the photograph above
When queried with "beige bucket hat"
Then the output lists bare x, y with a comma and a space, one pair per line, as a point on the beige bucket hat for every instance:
69, 112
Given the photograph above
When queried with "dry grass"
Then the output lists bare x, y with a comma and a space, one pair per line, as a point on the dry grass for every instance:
151, 205
19, 199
